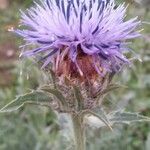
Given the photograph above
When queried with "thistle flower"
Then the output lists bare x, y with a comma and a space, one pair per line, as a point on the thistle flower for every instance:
80, 38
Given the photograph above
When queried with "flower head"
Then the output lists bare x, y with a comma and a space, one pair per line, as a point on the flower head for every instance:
81, 38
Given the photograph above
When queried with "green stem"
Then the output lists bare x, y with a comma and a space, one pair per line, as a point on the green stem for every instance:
79, 132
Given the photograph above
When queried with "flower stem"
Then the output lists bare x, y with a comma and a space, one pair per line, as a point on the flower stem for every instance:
79, 132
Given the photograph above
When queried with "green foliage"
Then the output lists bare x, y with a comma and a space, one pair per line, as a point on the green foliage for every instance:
60, 97
126, 117
35, 97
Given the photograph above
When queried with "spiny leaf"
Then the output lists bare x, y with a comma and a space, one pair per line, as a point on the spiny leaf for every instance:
126, 117
35, 97
103, 119
79, 98
116, 117
55, 93
103, 114
110, 88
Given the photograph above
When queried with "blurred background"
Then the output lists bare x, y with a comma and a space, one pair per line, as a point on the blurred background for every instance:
35, 128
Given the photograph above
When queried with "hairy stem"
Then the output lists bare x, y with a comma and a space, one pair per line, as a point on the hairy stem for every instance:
79, 132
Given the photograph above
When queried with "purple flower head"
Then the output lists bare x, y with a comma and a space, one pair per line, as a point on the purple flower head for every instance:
79, 32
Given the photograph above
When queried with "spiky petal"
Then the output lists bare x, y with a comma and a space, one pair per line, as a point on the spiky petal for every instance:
70, 30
